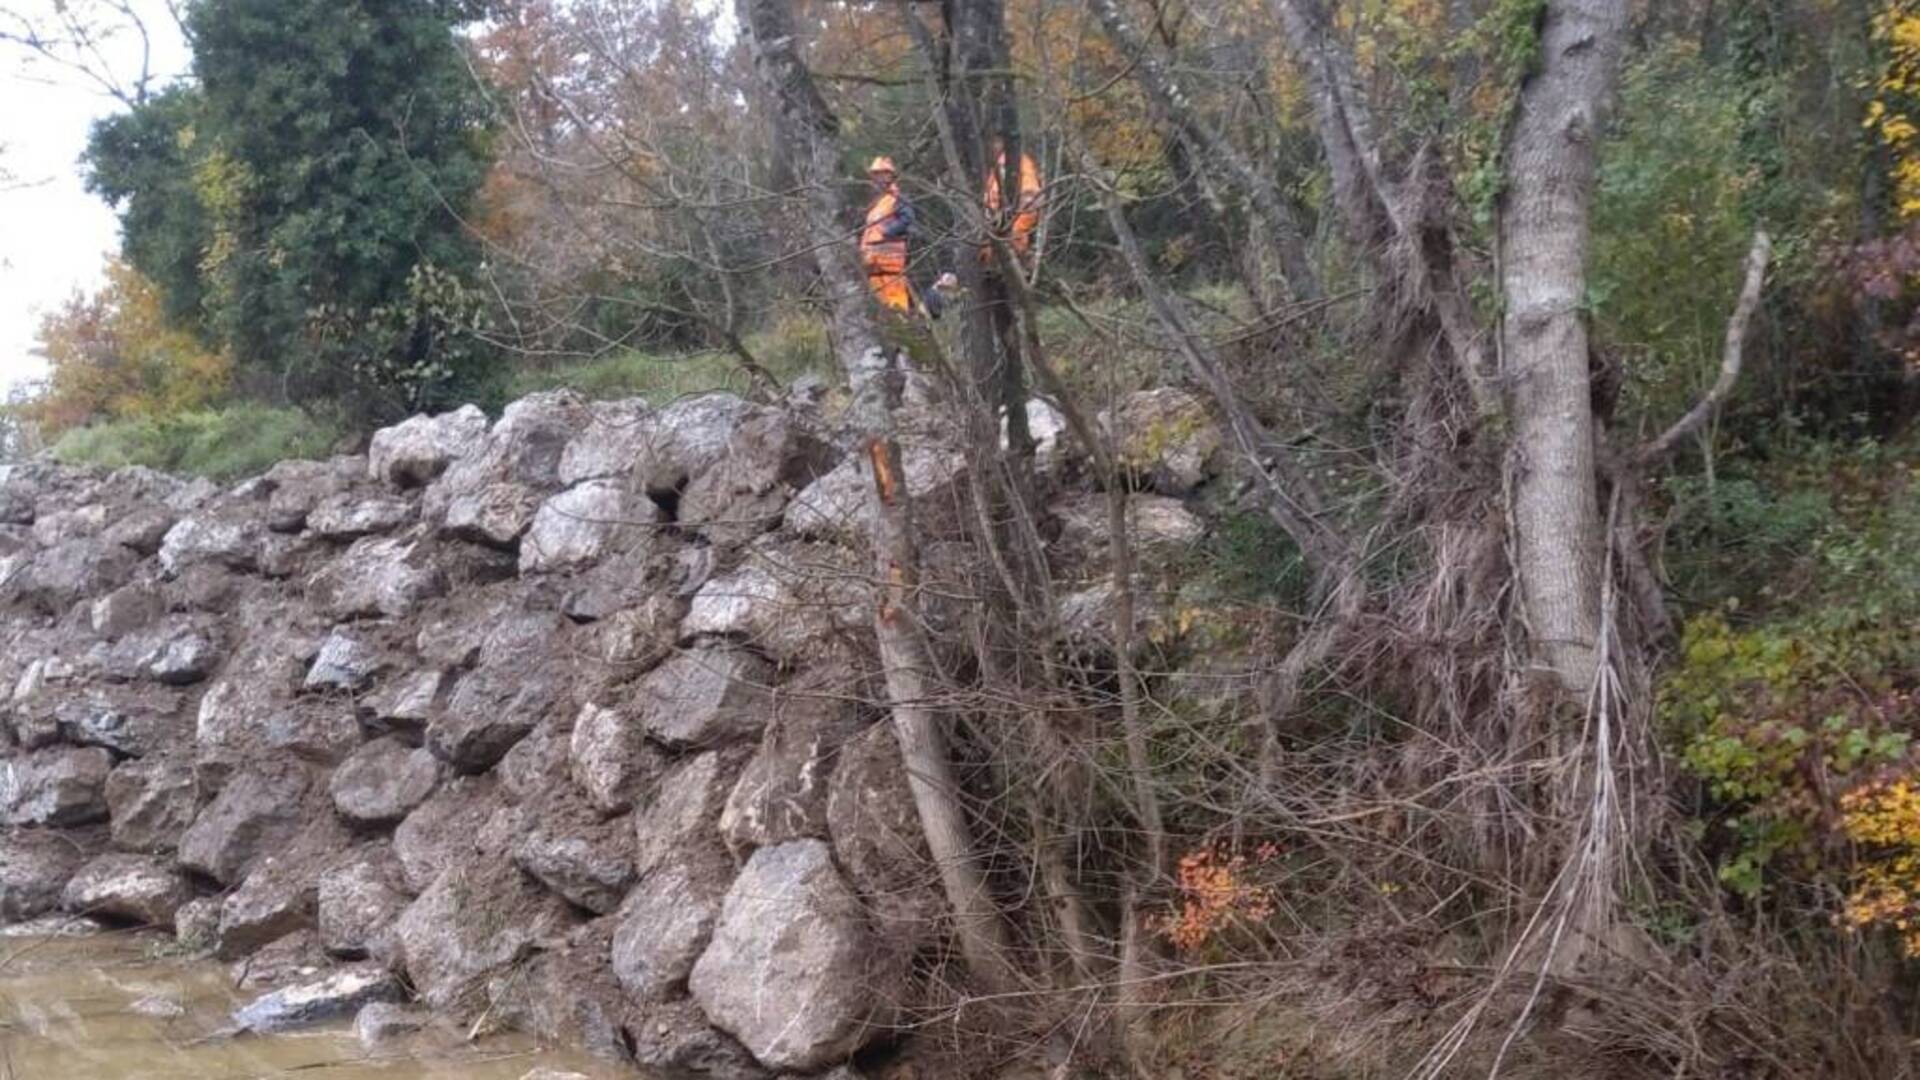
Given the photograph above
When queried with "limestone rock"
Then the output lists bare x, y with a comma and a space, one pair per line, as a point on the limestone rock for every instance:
382, 1022
706, 697
789, 600
744, 493
416, 451
347, 661
782, 794
259, 811
277, 898
665, 925
142, 888
610, 759
358, 899
808, 996
618, 434
35, 866
336, 995
681, 821
839, 505
152, 801
585, 524
473, 920
228, 540
1166, 437
62, 786
877, 837
388, 576
349, 517
587, 861
442, 832
382, 781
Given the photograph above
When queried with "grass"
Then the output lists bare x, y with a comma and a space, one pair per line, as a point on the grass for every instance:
235, 441
793, 346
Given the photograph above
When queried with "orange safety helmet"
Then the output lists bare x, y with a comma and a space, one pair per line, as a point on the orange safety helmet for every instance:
883, 163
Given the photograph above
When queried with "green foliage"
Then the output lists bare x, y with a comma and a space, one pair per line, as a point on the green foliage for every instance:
1246, 558
303, 199
1670, 228
220, 443
144, 161
1782, 716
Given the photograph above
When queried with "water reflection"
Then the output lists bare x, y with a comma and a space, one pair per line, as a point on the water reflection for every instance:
113, 1007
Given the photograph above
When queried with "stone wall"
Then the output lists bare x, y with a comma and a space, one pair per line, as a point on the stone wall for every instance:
569, 718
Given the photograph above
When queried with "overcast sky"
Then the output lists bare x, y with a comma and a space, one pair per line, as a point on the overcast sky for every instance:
53, 235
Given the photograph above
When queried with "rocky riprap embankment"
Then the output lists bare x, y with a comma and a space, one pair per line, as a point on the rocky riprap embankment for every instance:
568, 717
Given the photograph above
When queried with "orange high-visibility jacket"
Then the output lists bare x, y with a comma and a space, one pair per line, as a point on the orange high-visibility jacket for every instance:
883, 243
1026, 216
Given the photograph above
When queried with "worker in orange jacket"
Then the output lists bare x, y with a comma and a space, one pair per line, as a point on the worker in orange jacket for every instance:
883, 240
1026, 214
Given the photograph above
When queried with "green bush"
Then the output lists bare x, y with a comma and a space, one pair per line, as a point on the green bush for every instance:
221, 443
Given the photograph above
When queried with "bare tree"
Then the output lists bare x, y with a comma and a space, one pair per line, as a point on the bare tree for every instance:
866, 358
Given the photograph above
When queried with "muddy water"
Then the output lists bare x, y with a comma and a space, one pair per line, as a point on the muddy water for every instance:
110, 1007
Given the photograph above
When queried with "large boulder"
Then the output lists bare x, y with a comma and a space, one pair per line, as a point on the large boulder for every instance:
571, 851
152, 801
297, 487
681, 821
382, 781
35, 866
1159, 529
790, 600
444, 830
490, 496
126, 609
60, 786
564, 995
416, 451
706, 697
744, 493
1166, 438
53, 579
333, 996
674, 1038
358, 898
522, 676
228, 539
689, 437
130, 721
782, 794
666, 923
839, 505
809, 995
347, 661
610, 759
878, 839
348, 517
473, 920
277, 898
388, 576
143, 888
585, 524
618, 434
260, 810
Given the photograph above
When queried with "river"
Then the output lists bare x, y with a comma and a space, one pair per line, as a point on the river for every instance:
116, 1007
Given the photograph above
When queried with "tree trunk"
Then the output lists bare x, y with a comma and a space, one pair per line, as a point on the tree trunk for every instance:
1543, 243
769, 27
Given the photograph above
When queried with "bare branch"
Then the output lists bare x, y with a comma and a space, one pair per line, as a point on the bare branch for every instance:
1731, 358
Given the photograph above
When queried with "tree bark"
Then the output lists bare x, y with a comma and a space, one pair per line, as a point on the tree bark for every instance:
769, 27
1543, 243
